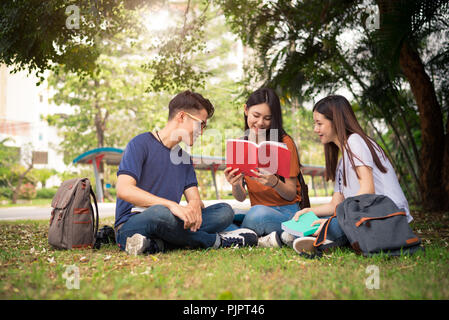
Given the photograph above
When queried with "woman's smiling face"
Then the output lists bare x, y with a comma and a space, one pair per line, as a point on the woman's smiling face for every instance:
324, 128
259, 117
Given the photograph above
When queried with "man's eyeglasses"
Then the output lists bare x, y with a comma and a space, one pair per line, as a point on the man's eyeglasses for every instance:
203, 123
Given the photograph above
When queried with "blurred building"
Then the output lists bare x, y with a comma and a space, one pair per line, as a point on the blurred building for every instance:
23, 106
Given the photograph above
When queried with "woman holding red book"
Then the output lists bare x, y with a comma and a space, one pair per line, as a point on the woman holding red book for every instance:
273, 199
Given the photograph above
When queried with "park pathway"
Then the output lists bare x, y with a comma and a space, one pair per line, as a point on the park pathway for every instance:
108, 209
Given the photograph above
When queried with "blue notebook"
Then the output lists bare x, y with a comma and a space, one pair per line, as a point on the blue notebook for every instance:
302, 227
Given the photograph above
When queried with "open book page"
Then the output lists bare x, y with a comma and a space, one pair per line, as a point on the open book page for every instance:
241, 154
274, 158
245, 155
274, 143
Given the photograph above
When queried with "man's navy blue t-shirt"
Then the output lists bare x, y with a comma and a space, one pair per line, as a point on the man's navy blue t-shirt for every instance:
161, 171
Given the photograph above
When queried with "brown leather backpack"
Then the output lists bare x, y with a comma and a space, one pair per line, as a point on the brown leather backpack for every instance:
73, 223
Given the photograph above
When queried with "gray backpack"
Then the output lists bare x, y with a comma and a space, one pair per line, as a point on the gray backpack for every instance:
374, 224
73, 223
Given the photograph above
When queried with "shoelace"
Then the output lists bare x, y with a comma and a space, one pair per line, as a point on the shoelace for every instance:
229, 241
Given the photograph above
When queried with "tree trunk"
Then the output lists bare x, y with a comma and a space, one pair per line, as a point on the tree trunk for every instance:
100, 125
15, 194
434, 172
445, 170
432, 131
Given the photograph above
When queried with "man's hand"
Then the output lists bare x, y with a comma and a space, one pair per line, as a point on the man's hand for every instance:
196, 205
186, 214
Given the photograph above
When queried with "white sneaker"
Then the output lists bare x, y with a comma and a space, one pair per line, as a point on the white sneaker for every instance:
270, 241
138, 244
287, 238
304, 244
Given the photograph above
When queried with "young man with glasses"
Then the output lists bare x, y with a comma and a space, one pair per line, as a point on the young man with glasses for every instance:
153, 175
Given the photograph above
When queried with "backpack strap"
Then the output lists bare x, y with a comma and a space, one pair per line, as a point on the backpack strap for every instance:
364, 219
323, 233
305, 201
93, 216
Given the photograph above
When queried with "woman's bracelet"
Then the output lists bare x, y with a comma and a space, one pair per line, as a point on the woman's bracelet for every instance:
276, 182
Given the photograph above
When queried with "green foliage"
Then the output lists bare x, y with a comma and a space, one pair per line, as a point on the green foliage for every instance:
9, 156
174, 66
123, 95
411, 21
34, 34
291, 40
307, 49
298, 122
112, 192
46, 193
5, 193
85, 172
12, 173
173, 70
41, 175
106, 102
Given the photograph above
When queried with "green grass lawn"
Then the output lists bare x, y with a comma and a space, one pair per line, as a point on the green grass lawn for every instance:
30, 269
28, 203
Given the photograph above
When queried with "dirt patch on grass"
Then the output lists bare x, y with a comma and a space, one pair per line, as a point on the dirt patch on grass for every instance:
431, 227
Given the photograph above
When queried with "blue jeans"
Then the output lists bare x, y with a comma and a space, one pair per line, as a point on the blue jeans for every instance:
266, 219
158, 222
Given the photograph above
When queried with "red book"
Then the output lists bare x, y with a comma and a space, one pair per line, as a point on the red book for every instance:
245, 155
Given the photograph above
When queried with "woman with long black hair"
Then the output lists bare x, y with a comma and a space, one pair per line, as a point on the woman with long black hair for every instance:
273, 198
363, 168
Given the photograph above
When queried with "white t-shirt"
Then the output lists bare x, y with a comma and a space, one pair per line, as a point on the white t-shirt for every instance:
384, 183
